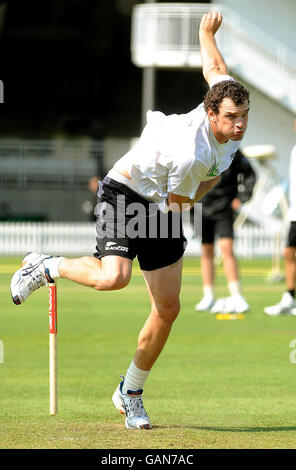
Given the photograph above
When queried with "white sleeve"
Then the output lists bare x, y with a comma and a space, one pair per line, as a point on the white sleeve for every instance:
220, 78
186, 182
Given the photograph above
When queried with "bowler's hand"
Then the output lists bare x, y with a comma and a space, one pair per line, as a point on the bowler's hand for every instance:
210, 23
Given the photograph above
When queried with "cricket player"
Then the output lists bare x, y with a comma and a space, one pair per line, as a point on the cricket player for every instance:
178, 159
287, 304
218, 208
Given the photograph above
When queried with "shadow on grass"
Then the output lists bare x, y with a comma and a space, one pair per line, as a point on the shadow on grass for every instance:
231, 429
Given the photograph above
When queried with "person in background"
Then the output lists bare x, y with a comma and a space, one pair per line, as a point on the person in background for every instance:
287, 304
218, 206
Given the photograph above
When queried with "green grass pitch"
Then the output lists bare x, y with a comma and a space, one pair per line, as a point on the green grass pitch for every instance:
217, 384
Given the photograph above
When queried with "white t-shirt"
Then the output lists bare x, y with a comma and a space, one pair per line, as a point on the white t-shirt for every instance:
292, 185
174, 154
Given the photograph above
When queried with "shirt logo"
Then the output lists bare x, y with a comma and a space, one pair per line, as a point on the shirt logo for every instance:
214, 170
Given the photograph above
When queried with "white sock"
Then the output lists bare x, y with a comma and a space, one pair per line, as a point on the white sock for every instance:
208, 290
53, 265
135, 378
234, 288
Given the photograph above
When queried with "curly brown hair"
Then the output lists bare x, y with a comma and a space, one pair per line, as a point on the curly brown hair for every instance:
226, 89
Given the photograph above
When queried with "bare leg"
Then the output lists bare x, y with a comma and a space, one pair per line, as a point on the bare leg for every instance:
164, 286
108, 273
290, 267
207, 264
229, 260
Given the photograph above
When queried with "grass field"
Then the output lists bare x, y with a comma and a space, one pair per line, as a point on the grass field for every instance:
217, 384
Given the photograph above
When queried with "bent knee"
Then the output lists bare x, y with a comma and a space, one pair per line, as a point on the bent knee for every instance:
168, 311
113, 281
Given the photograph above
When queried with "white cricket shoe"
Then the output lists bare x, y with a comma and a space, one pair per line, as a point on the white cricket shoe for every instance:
286, 305
29, 277
231, 304
205, 304
131, 405
293, 311
235, 304
218, 306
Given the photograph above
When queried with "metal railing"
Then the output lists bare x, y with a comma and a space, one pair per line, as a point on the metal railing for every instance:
45, 163
18, 239
166, 35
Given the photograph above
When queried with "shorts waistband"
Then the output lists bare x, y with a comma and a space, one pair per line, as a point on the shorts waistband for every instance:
124, 189
120, 178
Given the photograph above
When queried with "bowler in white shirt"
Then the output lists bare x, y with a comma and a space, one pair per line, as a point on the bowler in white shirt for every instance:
177, 160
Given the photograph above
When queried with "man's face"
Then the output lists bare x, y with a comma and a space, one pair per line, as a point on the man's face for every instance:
230, 123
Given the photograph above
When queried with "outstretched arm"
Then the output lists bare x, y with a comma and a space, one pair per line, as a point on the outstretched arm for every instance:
212, 61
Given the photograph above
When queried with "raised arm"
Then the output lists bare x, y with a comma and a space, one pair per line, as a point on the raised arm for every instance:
212, 61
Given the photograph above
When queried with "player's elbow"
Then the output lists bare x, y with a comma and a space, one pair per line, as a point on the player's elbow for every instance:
211, 73
178, 203
208, 185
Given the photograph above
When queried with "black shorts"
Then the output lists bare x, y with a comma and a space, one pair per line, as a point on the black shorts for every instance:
217, 226
129, 225
292, 235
